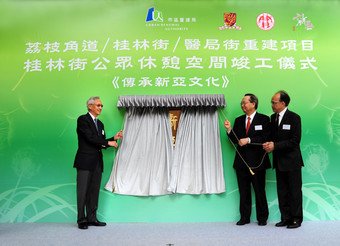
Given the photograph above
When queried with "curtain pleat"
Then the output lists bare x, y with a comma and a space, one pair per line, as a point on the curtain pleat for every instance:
142, 163
197, 167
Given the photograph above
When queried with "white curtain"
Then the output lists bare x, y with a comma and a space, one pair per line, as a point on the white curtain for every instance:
147, 165
142, 163
197, 167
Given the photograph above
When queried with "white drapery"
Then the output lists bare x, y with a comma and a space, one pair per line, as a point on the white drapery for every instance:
146, 163
197, 167
142, 164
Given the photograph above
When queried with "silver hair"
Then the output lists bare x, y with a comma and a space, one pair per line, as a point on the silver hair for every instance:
91, 100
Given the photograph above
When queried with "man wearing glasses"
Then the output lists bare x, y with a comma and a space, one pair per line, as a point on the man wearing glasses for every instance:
287, 159
249, 132
89, 162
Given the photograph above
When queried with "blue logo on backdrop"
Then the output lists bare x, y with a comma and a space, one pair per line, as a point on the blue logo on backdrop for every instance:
154, 15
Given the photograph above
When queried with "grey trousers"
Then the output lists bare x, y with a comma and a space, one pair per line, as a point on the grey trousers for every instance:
88, 186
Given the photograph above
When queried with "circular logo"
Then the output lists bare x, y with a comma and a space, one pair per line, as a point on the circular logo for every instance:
265, 21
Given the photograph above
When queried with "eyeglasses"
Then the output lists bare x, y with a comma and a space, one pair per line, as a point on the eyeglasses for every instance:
99, 105
274, 102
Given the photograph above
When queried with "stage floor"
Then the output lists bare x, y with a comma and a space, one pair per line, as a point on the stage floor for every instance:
174, 234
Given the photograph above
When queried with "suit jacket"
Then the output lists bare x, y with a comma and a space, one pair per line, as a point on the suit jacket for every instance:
286, 137
259, 132
90, 143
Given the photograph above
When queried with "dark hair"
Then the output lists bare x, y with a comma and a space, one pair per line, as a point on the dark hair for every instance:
253, 99
284, 97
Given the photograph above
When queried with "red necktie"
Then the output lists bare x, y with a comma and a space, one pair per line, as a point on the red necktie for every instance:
248, 125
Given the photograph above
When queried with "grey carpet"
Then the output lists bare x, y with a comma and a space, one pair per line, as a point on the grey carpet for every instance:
174, 234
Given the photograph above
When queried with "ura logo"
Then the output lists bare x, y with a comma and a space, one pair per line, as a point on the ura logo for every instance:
154, 15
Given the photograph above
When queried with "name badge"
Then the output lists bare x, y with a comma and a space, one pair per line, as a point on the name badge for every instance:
103, 133
258, 127
285, 127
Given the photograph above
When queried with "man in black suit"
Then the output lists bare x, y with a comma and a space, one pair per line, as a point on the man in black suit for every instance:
249, 132
287, 159
89, 162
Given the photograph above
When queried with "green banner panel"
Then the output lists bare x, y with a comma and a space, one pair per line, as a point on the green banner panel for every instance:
56, 54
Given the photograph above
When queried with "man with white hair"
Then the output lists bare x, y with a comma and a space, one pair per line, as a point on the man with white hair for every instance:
89, 162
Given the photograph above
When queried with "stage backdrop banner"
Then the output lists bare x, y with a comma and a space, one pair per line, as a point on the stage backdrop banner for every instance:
56, 54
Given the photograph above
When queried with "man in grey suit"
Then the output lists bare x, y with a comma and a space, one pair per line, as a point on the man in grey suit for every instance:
287, 160
89, 162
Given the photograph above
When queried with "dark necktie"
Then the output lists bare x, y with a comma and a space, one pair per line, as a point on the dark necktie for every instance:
95, 122
277, 120
248, 125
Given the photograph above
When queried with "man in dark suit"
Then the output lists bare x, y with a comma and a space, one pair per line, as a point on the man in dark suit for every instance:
89, 162
287, 159
249, 132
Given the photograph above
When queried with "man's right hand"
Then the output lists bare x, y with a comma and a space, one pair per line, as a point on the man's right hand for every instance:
227, 125
268, 146
113, 144
119, 135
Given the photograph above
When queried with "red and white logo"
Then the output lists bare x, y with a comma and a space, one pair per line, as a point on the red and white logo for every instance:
229, 22
265, 21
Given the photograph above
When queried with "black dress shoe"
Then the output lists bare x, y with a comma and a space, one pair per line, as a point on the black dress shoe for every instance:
242, 222
96, 223
82, 225
262, 223
281, 223
294, 224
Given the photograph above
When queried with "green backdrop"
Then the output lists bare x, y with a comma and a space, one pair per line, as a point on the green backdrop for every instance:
56, 54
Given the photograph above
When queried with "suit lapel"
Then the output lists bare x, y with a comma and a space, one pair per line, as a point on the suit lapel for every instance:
243, 129
284, 119
90, 120
100, 127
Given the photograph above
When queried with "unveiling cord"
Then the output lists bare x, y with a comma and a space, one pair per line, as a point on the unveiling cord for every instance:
235, 147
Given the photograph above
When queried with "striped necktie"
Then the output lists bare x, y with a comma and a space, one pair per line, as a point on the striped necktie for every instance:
248, 125
95, 122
